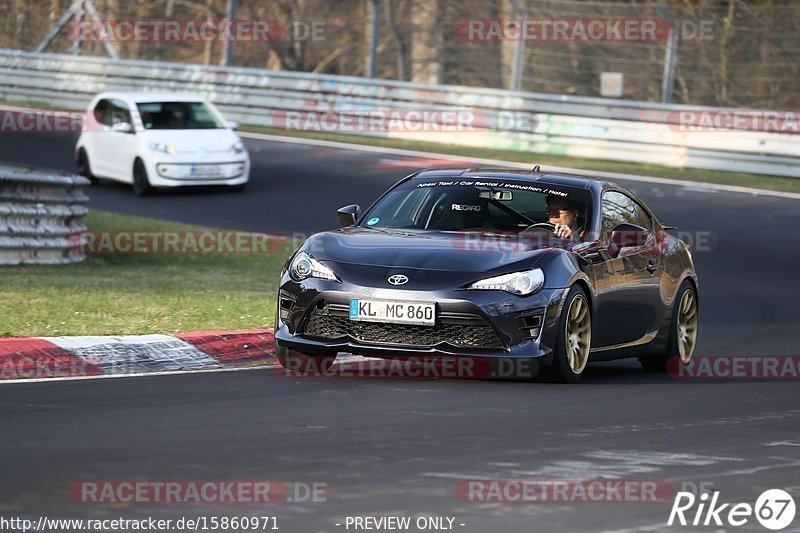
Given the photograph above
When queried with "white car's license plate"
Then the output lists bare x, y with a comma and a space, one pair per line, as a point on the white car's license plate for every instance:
206, 171
394, 311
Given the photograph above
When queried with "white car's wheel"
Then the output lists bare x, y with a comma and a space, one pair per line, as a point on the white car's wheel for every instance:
141, 183
83, 166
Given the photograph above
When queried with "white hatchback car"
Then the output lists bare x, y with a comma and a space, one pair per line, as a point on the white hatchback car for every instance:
156, 140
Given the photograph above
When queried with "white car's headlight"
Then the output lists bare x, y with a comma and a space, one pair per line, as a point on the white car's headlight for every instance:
237, 148
304, 266
521, 283
163, 148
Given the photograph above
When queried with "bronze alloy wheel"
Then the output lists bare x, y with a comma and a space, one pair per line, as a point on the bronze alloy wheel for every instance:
687, 326
578, 334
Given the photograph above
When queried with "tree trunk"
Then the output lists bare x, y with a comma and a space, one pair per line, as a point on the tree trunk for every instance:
427, 42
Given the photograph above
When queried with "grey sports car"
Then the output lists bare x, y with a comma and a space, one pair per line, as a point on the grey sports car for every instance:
555, 269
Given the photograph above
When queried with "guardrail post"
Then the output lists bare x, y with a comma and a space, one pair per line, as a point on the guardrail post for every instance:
670, 56
372, 57
519, 50
231, 16
80, 11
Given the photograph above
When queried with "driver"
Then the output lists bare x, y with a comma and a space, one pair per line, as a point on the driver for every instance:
176, 116
563, 214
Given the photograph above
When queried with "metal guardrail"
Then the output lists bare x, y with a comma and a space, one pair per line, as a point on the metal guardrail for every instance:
41, 217
596, 128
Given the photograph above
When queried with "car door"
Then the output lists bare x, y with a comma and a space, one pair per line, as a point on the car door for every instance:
119, 146
96, 139
632, 308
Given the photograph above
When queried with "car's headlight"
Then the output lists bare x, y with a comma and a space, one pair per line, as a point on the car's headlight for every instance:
304, 266
163, 148
236, 148
521, 283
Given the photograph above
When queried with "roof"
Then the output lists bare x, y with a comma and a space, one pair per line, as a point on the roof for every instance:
154, 96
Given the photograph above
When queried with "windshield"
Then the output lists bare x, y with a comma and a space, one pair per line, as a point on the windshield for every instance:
481, 205
178, 116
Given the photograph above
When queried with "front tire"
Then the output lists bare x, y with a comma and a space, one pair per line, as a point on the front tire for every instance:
141, 183
682, 331
84, 168
574, 338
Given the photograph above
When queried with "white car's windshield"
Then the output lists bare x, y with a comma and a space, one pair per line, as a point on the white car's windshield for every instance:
177, 116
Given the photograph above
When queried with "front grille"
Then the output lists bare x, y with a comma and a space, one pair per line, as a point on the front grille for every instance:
324, 325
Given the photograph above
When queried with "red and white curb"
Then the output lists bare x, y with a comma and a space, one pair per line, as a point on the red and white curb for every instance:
77, 357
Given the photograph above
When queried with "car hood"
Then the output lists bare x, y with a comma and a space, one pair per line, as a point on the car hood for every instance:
191, 141
431, 251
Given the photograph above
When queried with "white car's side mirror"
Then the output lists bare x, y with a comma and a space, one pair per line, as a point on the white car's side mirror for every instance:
122, 127
232, 124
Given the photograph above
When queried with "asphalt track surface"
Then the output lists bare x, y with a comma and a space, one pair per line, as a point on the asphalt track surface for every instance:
401, 446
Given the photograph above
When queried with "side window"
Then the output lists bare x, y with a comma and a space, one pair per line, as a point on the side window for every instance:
618, 208
101, 113
117, 112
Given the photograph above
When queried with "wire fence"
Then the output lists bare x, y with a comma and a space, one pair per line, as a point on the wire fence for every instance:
732, 53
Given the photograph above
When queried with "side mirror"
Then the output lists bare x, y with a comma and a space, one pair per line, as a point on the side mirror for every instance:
628, 235
232, 124
348, 214
122, 127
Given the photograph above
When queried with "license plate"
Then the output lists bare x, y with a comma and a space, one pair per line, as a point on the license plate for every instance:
394, 311
205, 172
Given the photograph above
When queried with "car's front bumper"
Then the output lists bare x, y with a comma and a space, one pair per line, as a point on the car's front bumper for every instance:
469, 323
192, 173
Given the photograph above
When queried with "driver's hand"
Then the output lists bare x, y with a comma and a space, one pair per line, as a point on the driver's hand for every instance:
563, 231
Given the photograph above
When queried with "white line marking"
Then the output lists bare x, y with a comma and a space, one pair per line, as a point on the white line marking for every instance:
665, 426
633, 457
139, 375
451, 475
752, 470
695, 186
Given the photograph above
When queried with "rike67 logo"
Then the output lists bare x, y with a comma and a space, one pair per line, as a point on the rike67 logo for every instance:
774, 509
